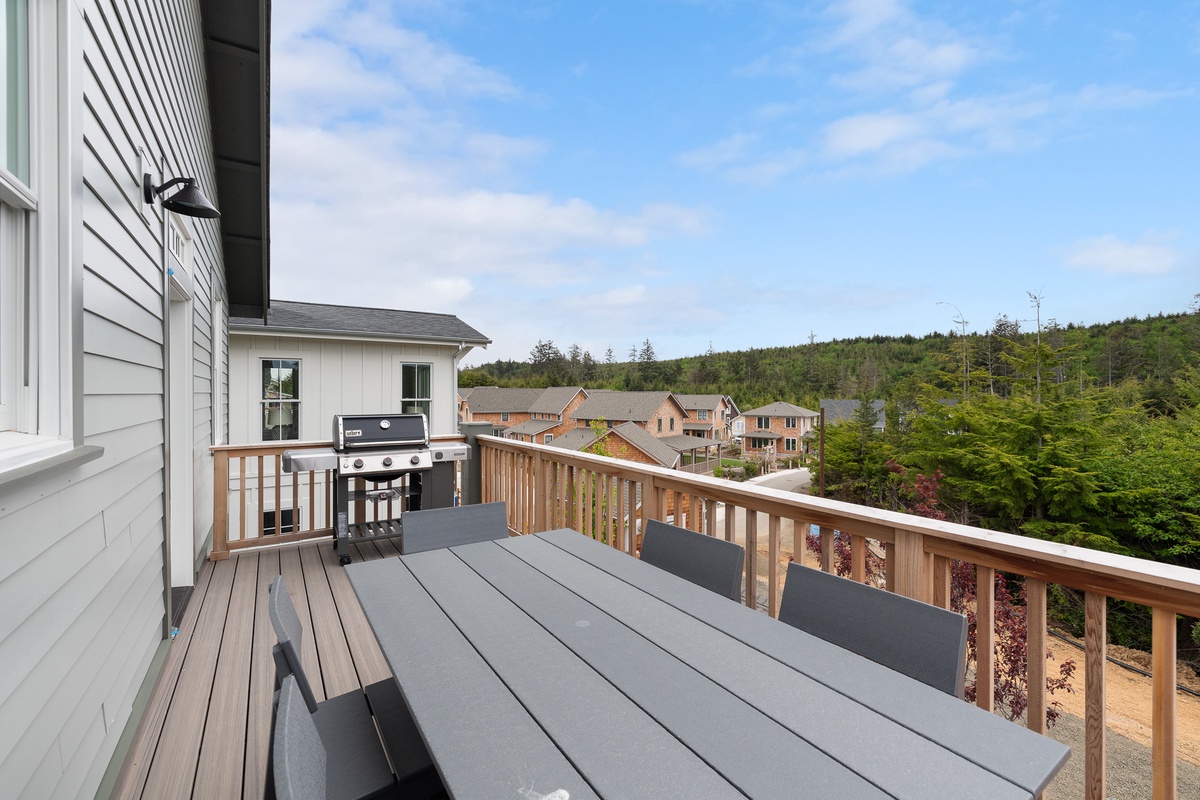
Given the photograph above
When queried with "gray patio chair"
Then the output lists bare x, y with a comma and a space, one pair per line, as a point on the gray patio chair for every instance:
446, 527
351, 711
919, 640
310, 763
712, 563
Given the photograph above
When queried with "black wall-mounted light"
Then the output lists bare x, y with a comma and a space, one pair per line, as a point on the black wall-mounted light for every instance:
189, 200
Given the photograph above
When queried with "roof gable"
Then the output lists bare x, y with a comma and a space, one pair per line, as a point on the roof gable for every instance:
780, 409
625, 406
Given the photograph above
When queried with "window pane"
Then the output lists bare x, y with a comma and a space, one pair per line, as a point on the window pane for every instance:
14, 39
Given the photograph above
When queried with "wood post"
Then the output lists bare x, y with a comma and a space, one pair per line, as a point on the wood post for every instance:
985, 638
1163, 753
1095, 642
1035, 653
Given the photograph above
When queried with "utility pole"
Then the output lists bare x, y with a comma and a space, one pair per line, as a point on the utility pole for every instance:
821, 485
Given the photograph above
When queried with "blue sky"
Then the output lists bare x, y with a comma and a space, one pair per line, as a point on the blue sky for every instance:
735, 172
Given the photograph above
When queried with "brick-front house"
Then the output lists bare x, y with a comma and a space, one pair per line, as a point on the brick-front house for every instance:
778, 425
709, 415
659, 413
464, 392
627, 441
528, 415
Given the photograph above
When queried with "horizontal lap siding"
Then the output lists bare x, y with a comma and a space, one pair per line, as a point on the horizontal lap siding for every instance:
82, 578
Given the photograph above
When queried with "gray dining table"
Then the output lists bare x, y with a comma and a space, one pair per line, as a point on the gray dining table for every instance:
553, 667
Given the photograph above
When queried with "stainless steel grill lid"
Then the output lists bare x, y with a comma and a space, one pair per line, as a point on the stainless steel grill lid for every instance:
360, 431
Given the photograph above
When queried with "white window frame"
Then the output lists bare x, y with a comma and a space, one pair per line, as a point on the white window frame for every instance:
405, 398
790, 445
547, 438
504, 416
43, 361
762, 423
296, 403
789, 422
702, 415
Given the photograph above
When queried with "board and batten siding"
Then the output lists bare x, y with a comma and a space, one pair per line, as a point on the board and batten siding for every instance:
82, 579
337, 376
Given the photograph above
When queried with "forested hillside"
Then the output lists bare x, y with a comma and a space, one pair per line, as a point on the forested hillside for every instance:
1149, 351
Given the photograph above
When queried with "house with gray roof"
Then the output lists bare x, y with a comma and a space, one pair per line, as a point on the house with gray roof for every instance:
838, 411
709, 415
658, 413
776, 429
627, 441
292, 371
528, 415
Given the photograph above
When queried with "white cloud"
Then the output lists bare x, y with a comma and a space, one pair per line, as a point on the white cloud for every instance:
715, 155
1152, 255
386, 193
866, 133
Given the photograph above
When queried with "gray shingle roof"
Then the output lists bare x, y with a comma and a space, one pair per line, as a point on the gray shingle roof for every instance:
695, 402
685, 442
624, 406
574, 439
555, 399
780, 409
757, 434
649, 444
697, 426
490, 400
841, 410
579, 438
383, 323
533, 427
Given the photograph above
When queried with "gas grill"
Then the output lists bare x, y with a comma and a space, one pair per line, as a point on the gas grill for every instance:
381, 458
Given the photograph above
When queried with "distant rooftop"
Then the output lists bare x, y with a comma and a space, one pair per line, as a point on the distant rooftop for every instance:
378, 323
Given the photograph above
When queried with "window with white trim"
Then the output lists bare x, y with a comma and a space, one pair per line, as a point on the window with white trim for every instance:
280, 399
416, 390
504, 416
789, 422
548, 438
702, 414
14, 222
789, 445
763, 423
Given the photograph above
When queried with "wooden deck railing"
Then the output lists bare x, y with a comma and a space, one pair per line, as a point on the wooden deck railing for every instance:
300, 503
610, 500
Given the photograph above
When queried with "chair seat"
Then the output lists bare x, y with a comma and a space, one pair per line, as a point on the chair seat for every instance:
356, 766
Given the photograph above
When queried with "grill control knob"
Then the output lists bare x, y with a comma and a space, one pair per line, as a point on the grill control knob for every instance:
387, 461
358, 463
415, 460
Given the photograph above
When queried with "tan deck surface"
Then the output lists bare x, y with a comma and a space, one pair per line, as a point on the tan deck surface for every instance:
206, 730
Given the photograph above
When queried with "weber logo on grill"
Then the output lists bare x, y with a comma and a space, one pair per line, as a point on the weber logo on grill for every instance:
348, 434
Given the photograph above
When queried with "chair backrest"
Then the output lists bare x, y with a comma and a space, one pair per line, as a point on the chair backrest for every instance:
298, 755
922, 641
447, 527
288, 631
712, 563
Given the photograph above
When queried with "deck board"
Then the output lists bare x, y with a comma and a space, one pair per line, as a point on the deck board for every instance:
206, 731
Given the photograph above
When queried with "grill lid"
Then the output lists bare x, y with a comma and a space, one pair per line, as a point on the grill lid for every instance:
358, 431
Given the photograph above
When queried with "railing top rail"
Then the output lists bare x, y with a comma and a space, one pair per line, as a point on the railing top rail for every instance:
1116, 575
268, 447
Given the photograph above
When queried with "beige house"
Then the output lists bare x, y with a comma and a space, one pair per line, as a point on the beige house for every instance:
709, 415
777, 428
527, 415
658, 413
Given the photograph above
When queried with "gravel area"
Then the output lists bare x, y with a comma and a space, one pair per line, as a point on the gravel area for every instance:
1128, 773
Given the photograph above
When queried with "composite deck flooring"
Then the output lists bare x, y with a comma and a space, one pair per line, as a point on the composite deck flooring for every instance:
206, 730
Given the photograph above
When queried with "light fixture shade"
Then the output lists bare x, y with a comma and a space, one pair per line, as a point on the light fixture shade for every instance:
189, 200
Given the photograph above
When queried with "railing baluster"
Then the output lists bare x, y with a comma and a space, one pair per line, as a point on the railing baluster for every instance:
622, 515
941, 582
858, 558
1163, 754
1095, 641
773, 525
828, 554
751, 597
710, 517
985, 637
1035, 653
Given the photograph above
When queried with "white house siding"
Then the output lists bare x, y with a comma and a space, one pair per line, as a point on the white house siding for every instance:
337, 376
81, 581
